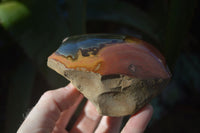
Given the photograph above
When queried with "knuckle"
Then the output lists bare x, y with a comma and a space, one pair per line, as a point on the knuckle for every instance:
48, 95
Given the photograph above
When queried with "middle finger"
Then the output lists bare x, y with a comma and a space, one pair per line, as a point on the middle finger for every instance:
66, 115
87, 121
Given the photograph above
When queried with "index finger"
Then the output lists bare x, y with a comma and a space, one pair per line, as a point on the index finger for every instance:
46, 112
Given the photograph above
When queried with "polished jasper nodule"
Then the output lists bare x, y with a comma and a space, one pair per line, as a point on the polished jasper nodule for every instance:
118, 74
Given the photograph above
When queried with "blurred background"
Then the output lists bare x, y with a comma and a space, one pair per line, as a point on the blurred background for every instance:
30, 30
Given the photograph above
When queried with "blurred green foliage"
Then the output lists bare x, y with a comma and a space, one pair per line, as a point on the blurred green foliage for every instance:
11, 12
30, 30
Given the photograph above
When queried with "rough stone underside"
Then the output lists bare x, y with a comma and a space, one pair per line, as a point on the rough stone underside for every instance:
112, 95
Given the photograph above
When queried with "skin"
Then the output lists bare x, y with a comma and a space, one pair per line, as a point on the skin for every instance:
54, 109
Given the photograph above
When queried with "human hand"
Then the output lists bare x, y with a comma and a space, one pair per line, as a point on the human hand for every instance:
54, 109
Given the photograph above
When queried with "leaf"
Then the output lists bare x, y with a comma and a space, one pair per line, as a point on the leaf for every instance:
39, 36
124, 13
42, 33
180, 16
77, 14
12, 12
